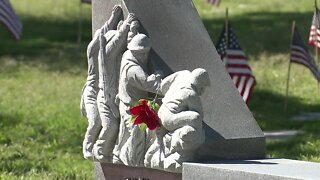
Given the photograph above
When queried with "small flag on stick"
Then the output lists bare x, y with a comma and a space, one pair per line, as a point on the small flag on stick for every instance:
314, 37
9, 18
236, 62
300, 54
213, 2
86, 1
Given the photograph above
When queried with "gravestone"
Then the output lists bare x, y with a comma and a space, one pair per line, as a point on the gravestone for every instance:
180, 41
262, 169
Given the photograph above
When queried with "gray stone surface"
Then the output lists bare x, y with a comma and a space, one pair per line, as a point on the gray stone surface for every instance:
106, 171
266, 169
180, 41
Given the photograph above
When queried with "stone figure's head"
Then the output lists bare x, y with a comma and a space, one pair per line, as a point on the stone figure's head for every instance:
200, 80
140, 47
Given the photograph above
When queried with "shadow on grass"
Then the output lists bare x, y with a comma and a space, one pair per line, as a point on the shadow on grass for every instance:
54, 42
301, 147
49, 42
7, 122
268, 108
264, 31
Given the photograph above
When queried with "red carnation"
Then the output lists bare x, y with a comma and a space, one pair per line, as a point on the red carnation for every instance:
145, 114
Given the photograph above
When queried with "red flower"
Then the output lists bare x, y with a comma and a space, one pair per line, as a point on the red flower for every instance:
145, 114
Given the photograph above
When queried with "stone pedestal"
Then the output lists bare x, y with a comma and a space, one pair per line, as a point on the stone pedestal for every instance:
106, 171
265, 169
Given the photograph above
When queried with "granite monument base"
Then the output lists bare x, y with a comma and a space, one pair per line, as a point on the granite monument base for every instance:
264, 169
105, 171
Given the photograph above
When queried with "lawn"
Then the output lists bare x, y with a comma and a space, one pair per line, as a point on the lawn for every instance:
42, 75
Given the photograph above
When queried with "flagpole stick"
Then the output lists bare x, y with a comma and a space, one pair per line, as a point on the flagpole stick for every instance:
226, 24
316, 59
315, 47
289, 68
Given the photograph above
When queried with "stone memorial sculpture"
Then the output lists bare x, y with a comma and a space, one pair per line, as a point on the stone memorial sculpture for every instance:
134, 84
181, 116
117, 80
190, 125
90, 90
112, 45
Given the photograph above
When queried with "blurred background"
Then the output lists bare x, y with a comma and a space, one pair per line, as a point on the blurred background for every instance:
42, 74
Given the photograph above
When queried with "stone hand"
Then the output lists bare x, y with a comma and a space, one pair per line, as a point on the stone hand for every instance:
117, 10
131, 17
159, 74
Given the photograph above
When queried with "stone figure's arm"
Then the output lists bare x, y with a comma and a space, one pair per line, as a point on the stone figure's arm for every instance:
167, 81
112, 22
143, 81
115, 17
121, 36
93, 47
194, 104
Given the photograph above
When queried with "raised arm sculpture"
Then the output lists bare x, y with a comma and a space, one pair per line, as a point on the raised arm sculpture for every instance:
90, 90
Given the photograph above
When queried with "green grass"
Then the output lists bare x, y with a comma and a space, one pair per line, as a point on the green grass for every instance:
42, 75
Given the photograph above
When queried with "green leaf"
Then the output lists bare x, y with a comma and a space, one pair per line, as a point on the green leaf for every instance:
143, 127
156, 107
133, 118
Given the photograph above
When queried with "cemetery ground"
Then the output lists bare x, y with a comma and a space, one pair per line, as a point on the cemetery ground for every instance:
42, 75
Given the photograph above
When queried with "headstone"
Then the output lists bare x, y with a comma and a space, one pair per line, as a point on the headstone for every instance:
265, 169
315, 116
282, 135
180, 41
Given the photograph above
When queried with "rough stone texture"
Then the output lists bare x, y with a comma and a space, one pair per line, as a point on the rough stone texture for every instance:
275, 169
180, 41
120, 172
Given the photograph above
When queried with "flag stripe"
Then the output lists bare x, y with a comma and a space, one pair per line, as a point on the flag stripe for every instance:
10, 19
248, 88
236, 63
314, 36
299, 52
214, 2
5, 18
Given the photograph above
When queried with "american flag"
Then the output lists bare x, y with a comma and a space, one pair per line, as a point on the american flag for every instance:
300, 54
214, 2
9, 18
236, 63
314, 37
86, 1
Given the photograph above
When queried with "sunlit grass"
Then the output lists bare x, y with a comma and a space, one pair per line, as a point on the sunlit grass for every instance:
42, 75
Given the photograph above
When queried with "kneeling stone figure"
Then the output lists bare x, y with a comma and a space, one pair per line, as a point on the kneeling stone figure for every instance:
181, 116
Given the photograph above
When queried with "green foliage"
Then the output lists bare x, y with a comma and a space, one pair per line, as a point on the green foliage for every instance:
41, 77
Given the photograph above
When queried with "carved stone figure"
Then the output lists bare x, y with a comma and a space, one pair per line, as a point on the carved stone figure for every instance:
181, 116
88, 105
112, 46
134, 30
134, 84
